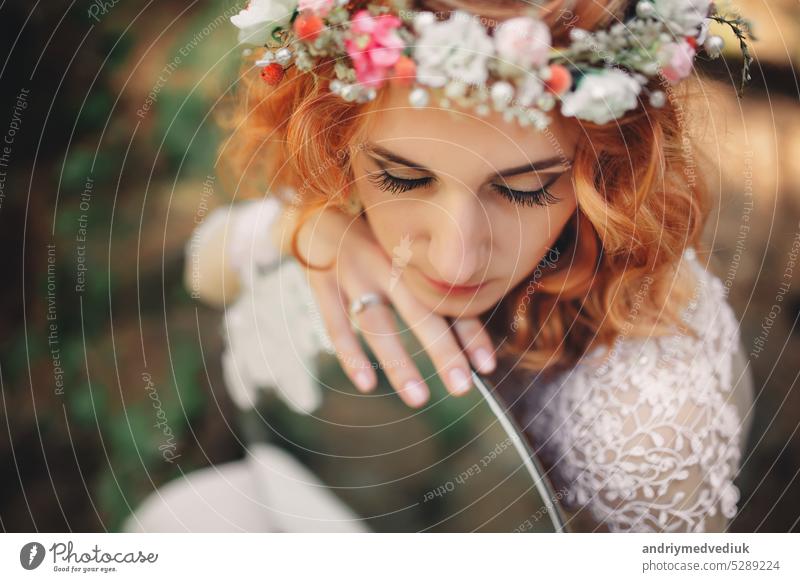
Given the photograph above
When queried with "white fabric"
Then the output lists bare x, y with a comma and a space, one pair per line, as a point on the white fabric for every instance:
270, 339
648, 435
265, 492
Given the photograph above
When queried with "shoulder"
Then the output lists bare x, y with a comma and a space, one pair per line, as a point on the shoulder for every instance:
694, 360
250, 246
645, 431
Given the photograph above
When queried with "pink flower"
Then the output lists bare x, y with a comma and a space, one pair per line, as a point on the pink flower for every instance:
676, 60
320, 7
374, 46
523, 41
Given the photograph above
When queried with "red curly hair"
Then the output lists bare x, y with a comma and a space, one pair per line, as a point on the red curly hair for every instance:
640, 200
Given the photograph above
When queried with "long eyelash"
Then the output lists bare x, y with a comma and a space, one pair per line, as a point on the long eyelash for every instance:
540, 197
395, 185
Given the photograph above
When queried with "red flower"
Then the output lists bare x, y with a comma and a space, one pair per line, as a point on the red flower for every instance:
405, 71
308, 25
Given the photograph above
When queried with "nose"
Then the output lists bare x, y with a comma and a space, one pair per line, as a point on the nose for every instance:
459, 238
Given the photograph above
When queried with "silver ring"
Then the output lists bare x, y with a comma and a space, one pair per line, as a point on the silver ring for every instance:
361, 303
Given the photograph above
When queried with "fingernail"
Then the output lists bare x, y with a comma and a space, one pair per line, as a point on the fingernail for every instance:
485, 360
459, 380
415, 392
364, 380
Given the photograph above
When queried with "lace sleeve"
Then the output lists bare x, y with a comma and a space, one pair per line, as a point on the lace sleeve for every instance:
649, 440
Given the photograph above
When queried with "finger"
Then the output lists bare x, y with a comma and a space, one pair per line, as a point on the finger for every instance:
438, 340
377, 325
352, 358
477, 343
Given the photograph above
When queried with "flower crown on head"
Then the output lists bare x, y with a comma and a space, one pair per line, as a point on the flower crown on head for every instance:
509, 67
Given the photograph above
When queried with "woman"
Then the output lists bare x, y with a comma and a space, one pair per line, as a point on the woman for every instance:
557, 256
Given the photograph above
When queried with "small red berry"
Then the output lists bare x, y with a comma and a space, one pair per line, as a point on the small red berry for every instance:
405, 70
560, 79
272, 74
307, 26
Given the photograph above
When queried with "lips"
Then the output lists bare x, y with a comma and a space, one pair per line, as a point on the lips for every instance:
444, 287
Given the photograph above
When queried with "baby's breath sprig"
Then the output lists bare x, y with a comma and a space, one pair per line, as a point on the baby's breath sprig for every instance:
743, 29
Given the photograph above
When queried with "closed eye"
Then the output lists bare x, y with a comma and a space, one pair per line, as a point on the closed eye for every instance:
539, 197
396, 185
385, 181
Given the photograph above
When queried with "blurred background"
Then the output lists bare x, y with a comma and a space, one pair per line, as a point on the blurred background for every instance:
107, 165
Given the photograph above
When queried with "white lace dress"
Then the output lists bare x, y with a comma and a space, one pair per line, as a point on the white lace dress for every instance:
647, 435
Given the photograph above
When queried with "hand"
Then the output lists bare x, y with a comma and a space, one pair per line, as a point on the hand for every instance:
361, 266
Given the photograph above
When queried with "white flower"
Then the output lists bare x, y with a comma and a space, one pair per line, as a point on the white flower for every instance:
683, 17
523, 41
257, 21
457, 48
530, 90
601, 97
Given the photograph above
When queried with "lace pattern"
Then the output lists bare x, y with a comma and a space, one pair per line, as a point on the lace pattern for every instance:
646, 435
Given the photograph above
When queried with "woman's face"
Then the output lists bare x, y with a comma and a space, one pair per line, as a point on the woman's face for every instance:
465, 206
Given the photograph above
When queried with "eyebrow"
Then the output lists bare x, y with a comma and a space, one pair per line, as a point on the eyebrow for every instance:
523, 169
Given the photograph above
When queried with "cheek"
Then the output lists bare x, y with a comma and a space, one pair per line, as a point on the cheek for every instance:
388, 217
523, 245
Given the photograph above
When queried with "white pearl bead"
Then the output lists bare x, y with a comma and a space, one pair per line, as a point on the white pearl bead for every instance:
349, 92
658, 99
283, 56
714, 45
418, 97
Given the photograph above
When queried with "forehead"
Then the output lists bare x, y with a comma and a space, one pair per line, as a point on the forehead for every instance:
459, 140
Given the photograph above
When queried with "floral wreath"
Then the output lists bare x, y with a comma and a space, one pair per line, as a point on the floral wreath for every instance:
511, 67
